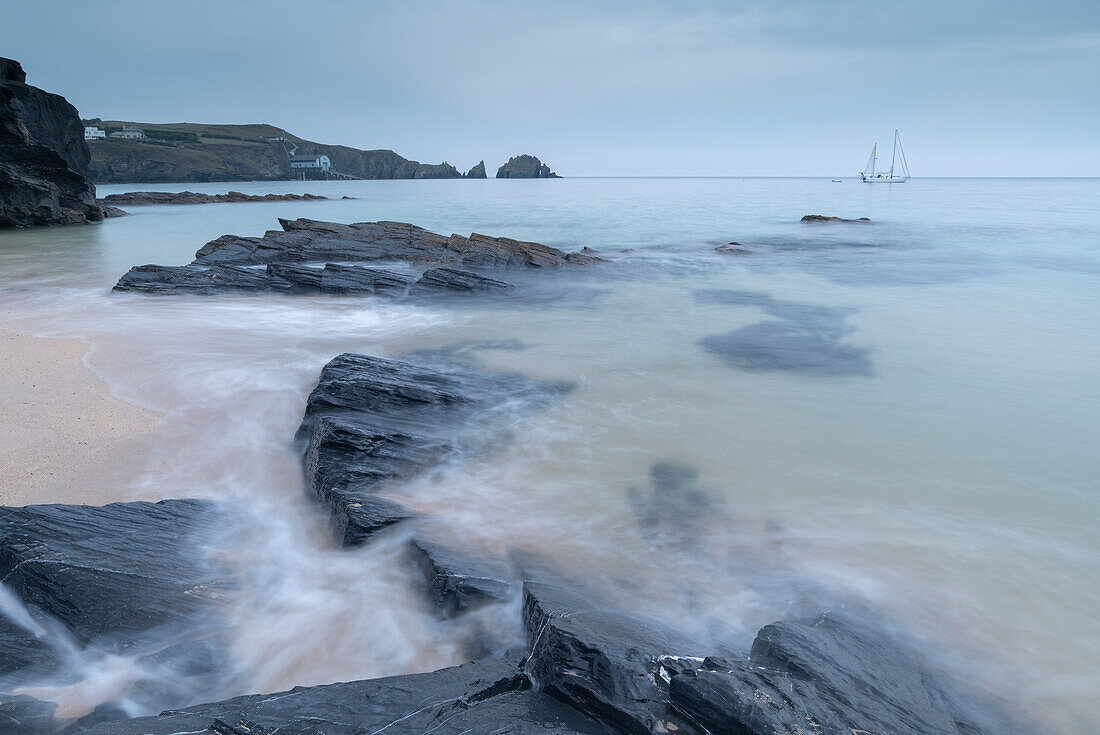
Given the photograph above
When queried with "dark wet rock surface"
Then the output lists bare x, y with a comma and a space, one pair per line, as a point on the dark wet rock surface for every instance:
111, 211
140, 198
804, 338
371, 421
480, 697
477, 172
43, 157
458, 582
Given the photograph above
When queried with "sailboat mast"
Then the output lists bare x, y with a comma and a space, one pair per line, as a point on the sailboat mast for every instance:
894, 155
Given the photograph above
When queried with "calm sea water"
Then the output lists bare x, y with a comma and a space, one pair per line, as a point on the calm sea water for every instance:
903, 411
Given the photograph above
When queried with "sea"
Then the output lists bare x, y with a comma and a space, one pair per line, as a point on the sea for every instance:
902, 414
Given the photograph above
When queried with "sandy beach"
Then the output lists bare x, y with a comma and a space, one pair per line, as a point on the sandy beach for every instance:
63, 438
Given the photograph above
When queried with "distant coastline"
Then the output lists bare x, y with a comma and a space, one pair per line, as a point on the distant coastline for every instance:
127, 152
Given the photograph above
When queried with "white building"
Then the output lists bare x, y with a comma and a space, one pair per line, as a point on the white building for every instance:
307, 162
91, 132
130, 132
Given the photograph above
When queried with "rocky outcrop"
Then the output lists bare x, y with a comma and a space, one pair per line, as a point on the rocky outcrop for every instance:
110, 211
333, 278
305, 240
824, 218
477, 172
43, 157
732, 248
136, 198
458, 582
371, 421
525, 167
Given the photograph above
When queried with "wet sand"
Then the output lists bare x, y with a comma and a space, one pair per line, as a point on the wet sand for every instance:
63, 437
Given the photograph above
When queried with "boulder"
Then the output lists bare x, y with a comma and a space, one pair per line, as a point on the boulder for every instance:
732, 248
824, 218
525, 167
481, 697
43, 157
477, 172
110, 211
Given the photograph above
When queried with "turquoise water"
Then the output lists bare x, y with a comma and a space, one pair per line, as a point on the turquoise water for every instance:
903, 411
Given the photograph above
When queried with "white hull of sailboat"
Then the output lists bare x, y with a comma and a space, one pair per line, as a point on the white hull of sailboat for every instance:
897, 161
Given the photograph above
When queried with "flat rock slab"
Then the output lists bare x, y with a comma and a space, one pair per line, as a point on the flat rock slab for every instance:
333, 279
825, 218
371, 421
132, 198
482, 697
305, 240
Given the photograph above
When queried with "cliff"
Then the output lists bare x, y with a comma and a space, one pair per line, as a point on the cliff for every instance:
191, 152
525, 167
477, 172
43, 156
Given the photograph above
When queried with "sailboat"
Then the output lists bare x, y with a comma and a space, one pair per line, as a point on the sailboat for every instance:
899, 169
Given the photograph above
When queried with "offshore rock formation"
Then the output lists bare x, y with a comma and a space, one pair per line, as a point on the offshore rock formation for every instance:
824, 218
477, 172
525, 167
43, 156
137, 198
227, 263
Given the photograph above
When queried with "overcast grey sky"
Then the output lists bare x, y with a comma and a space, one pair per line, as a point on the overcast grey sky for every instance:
601, 88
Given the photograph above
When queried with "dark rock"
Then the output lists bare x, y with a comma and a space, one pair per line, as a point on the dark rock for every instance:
601, 661
831, 676
43, 157
139, 198
525, 167
23, 715
477, 172
823, 218
12, 71
304, 240
356, 519
459, 582
452, 279
479, 698
370, 421
109, 211
109, 574
733, 248
785, 345
22, 651
194, 279
351, 279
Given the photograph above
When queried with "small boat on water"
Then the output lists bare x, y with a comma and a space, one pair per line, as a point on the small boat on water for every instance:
899, 169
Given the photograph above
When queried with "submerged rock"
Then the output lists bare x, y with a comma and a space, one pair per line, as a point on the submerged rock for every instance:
109, 211
824, 218
43, 157
139, 198
733, 248
525, 167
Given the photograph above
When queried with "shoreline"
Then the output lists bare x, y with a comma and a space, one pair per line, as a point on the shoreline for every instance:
63, 437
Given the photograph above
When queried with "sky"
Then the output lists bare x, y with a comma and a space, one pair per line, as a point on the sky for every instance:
642, 88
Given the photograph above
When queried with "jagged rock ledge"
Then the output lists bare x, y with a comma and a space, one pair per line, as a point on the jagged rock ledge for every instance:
525, 166
451, 262
139, 198
371, 421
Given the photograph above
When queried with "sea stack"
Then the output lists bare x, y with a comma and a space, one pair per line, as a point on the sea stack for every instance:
43, 156
477, 172
525, 167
